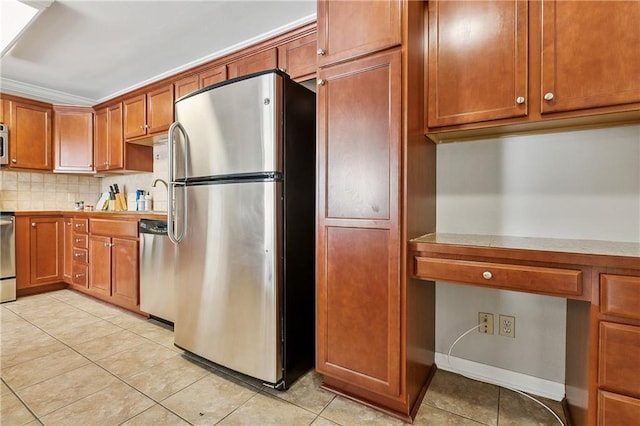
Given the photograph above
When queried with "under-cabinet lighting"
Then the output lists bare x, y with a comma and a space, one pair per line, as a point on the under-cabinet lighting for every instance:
15, 18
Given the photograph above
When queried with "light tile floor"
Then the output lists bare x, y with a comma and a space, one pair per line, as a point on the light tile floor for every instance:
67, 359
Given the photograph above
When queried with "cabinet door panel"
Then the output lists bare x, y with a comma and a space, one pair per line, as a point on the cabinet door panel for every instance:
46, 250
348, 29
160, 109
617, 410
257, 62
213, 76
298, 58
185, 86
116, 139
619, 370
590, 54
124, 271
477, 62
135, 113
100, 265
100, 140
73, 140
30, 137
359, 152
358, 309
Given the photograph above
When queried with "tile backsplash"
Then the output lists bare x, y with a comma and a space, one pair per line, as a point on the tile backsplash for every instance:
38, 191
53, 191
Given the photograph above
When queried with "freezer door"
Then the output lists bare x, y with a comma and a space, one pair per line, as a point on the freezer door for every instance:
231, 129
228, 277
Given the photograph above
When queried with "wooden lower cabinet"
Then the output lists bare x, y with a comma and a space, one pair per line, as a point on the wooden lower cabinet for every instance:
39, 251
67, 267
617, 410
113, 261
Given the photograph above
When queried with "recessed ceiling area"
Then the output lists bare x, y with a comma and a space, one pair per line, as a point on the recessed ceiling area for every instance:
85, 52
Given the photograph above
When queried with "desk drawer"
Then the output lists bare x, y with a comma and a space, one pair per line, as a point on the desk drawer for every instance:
498, 275
620, 295
80, 241
619, 369
80, 255
617, 410
80, 226
80, 274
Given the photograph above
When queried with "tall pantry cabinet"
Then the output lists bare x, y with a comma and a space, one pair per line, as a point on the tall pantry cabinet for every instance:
376, 189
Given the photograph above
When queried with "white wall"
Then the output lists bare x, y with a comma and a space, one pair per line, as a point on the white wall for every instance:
581, 184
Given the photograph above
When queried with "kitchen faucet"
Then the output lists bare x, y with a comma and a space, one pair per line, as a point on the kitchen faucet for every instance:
161, 181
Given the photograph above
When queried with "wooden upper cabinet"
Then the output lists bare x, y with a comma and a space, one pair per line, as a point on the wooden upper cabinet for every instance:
149, 113
186, 85
298, 58
261, 61
73, 139
589, 54
348, 29
108, 141
30, 136
213, 76
477, 61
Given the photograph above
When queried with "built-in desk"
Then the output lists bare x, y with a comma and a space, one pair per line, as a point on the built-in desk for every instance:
599, 279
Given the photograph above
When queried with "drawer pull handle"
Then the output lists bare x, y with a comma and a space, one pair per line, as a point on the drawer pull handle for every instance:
79, 275
77, 254
487, 275
78, 225
78, 240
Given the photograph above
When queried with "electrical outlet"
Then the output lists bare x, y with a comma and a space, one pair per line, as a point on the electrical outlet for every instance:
507, 325
487, 321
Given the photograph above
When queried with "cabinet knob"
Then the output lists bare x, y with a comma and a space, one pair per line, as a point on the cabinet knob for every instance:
520, 100
321, 52
146, 126
78, 225
13, 160
33, 224
320, 82
487, 275
548, 96
78, 240
88, 165
105, 163
79, 275
77, 254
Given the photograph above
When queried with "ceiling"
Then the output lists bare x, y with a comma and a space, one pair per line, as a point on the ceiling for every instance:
85, 52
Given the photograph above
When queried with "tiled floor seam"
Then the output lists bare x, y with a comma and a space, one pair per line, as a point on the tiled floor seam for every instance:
465, 417
21, 400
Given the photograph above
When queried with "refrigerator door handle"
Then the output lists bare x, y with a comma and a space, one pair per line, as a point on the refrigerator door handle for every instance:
171, 208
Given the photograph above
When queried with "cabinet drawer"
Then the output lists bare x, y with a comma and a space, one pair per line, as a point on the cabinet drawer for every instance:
617, 410
497, 275
80, 255
619, 369
80, 274
80, 226
620, 295
80, 241
114, 228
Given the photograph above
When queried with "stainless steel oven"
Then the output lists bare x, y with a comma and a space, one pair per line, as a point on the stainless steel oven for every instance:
7, 257
4, 144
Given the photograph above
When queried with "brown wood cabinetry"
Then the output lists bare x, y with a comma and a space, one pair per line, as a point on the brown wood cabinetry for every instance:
478, 72
367, 313
260, 61
529, 65
213, 76
108, 138
148, 113
298, 57
589, 54
80, 267
619, 350
39, 251
113, 261
73, 139
348, 29
67, 250
186, 85
29, 134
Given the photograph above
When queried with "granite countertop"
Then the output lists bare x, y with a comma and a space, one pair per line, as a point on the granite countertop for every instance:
95, 213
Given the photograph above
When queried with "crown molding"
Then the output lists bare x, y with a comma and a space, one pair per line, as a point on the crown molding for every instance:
219, 54
31, 91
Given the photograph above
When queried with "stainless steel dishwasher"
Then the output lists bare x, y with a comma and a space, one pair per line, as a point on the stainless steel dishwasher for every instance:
7, 257
156, 270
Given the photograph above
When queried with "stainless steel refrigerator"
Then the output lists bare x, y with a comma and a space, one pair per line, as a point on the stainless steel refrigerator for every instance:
242, 193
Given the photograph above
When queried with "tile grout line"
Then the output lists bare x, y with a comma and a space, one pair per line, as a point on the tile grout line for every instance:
20, 399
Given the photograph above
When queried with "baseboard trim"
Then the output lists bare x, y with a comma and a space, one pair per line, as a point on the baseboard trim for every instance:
502, 377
